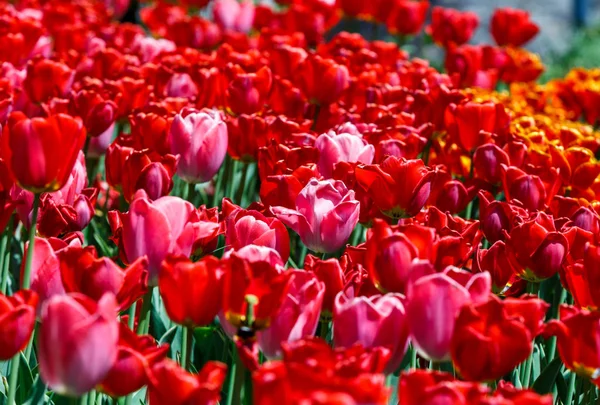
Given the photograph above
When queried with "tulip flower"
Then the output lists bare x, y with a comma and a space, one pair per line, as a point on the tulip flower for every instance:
470, 122
312, 372
54, 141
298, 315
485, 329
254, 276
172, 385
434, 387
394, 258
234, 16
495, 261
535, 248
433, 304
98, 114
77, 342
322, 80
451, 27
17, 320
157, 228
399, 187
46, 79
200, 140
181, 85
496, 217
325, 215
136, 356
341, 147
247, 92
512, 27
487, 161
192, 292
246, 227
578, 333
407, 17
529, 189
331, 274
376, 321
507, 392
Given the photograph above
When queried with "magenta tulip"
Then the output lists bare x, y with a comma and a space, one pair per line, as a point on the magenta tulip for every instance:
298, 316
343, 147
77, 342
434, 302
200, 140
181, 85
325, 215
375, 321
233, 15
168, 225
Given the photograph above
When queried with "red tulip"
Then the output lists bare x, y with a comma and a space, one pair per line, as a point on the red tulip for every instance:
529, 189
512, 27
98, 114
136, 356
157, 228
535, 249
312, 372
399, 187
46, 79
192, 292
496, 217
77, 343
200, 140
54, 141
298, 316
331, 274
322, 80
487, 161
451, 27
376, 321
247, 92
507, 392
435, 301
325, 215
149, 172
254, 273
471, 122
418, 387
407, 17
172, 385
17, 320
582, 278
483, 330
578, 340
495, 261
246, 227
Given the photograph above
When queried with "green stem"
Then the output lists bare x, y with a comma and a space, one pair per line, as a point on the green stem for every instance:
316, 116
413, 357
26, 282
191, 192
91, 397
324, 329
15, 364
232, 375
144, 324
131, 314
571, 388
230, 186
221, 176
5, 252
533, 288
187, 339
528, 366
238, 383
242, 185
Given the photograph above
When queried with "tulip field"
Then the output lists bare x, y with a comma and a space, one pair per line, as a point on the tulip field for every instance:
232, 202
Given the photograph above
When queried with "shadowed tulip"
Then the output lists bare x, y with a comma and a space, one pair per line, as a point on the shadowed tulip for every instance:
325, 215
77, 343
298, 316
435, 301
200, 140
17, 320
376, 321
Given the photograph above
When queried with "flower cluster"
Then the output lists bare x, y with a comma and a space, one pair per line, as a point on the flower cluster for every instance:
232, 202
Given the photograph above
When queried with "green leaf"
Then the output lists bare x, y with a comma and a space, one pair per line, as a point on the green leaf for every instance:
25, 379
561, 388
544, 383
38, 393
168, 336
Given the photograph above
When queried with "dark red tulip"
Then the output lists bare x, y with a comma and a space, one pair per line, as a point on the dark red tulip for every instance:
17, 320
451, 27
46, 79
513, 27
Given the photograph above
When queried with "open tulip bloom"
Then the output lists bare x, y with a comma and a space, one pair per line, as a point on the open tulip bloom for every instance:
234, 202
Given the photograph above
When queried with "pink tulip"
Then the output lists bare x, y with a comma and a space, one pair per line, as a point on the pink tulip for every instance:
234, 16
99, 144
342, 147
200, 140
325, 215
45, 267
298, 316
77, 342
375, 321
434, 302
168, 225
148, 48
181, 85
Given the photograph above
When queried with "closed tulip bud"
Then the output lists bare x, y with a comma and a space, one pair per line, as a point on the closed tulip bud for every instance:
192, 291
497, 216
147, 171
487, 161
434, 302
399, 187
200, 140
172, 385
298, 316
325, 215
55, 141
46, 79
334, 148
331, 274
528, 189
376, 321
17, 319
322, 80
136, 356
77, 343
512, 27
